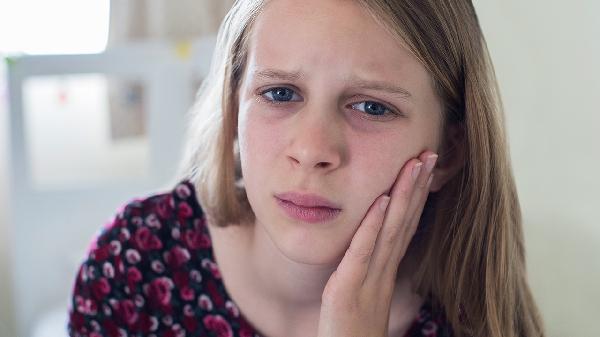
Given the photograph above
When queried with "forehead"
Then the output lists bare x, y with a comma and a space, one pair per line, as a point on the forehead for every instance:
339, 36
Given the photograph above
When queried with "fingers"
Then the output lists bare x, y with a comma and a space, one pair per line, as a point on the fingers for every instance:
408, 196
355, 264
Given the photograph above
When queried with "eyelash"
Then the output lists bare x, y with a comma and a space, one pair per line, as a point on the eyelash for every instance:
389, 110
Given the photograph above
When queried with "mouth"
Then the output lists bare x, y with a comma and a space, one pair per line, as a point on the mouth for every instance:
307, 200
307, 208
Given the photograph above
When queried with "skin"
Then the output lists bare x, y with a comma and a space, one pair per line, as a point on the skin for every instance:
345, 277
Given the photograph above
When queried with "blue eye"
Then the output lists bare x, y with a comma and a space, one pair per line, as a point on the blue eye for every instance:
372, 108
280, 94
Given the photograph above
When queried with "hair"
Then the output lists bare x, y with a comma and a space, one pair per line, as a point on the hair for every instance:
472, 259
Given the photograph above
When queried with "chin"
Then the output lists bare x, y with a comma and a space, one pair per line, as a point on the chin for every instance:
311, 247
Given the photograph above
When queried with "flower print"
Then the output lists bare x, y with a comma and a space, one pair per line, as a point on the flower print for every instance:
177, 256
196, 239
232, 309
139, 300
214, 293
159, 291
110, 328
157, 266
106, 310
95, 326
179, 332
153, 323
145, 240
188, 310
183, 191
195, 275
88, 307
190, 323
184, 210
208, 264
423, 316
181, 279
205, 303
124, 235
218, 325
95, 334
118, 263
100, 288
152, 221
108, 270
133, 275
167, 320
83, 273
146, 323
137, 221
246, 332
187, 294
429, 329
91, 273
164, 208
127, 312
114, 247
101, 253
132, 256
176, 233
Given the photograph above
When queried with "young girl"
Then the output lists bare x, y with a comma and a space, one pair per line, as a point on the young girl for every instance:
347, 175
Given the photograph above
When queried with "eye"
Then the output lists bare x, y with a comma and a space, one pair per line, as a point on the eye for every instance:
373, 108
280, 94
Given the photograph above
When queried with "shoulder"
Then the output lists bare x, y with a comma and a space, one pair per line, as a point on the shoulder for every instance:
151, 270
144, 224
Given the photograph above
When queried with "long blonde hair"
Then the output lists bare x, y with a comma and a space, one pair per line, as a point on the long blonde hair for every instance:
472, 257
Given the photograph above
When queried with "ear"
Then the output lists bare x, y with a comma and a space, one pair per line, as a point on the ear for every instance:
451, 156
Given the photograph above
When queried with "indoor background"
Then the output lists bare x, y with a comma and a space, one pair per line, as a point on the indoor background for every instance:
114, 58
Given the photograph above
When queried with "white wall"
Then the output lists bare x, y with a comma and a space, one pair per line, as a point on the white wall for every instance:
547, 58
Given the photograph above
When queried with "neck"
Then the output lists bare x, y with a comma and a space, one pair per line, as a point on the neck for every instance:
279, 295
295, 285
295, 289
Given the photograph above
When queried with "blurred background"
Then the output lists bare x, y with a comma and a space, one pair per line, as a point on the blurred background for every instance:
93, 96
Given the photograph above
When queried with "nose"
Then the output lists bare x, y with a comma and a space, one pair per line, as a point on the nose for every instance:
316, 142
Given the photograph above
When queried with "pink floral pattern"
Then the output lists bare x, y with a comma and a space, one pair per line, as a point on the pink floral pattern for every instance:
151, 272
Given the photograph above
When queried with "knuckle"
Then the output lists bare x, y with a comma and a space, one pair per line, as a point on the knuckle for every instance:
361, 255
391, 237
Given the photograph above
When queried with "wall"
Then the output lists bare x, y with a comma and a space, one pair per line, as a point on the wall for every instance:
547, 56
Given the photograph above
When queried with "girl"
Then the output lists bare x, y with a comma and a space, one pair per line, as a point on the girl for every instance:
347, 174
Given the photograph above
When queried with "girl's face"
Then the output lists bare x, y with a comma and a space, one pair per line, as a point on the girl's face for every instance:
330, 104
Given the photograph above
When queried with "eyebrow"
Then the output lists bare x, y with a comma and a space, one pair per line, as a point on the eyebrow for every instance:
381, 86
275, 74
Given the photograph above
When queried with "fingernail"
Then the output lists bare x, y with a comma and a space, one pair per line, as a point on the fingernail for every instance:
430, 162
416, 169
384, 203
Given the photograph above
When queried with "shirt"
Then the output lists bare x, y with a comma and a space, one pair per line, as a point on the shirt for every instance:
151, 272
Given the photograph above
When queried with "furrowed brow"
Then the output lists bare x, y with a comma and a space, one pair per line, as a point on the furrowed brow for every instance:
275, 74
381, 86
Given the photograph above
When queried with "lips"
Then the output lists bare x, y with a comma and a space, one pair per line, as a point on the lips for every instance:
307, 200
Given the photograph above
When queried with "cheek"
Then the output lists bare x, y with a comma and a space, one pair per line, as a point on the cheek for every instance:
258, 141
377, 166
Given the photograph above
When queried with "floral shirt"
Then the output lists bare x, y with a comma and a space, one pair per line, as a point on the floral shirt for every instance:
151, 272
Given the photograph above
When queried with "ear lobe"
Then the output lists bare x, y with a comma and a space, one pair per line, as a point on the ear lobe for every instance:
451, 157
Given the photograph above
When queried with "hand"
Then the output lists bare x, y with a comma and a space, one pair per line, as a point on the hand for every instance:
357, 298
